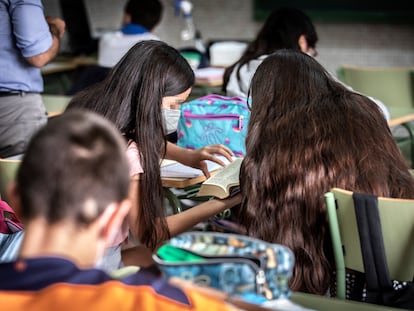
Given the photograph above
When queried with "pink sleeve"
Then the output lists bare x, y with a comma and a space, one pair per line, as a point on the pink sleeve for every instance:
134, 159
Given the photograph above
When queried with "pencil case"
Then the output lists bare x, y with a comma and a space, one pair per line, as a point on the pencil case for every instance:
233, 263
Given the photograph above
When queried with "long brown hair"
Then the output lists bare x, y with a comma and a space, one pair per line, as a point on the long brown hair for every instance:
307, 134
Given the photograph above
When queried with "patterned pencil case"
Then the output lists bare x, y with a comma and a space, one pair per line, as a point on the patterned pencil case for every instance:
236, 264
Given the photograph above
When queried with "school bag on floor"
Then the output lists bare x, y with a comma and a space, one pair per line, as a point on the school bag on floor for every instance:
214, 119
249, 268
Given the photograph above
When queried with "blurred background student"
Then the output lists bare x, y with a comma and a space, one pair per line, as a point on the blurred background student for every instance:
285, 28
139, 20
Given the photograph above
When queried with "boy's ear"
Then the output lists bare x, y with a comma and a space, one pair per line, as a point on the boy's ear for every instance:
14, 199
112, 219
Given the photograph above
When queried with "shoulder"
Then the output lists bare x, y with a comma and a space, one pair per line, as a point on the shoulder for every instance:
240, 87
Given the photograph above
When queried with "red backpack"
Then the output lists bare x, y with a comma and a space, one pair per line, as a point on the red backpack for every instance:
9, 223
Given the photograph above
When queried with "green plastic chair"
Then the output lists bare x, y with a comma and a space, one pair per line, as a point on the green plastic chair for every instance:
55, 104
394, 86
8, 169
397, 222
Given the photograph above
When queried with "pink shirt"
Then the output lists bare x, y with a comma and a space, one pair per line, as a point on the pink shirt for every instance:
134, 160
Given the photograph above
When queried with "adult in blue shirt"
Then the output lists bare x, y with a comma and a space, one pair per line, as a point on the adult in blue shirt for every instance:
28, 41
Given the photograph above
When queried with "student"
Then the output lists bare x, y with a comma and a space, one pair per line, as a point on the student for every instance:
285, 28
28, 41
139, 20
308, 133
150, 76
72, 204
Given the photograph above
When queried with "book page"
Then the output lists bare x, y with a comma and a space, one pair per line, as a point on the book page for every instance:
174, 169
224, 178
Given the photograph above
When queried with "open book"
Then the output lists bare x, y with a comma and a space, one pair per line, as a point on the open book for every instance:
174, 169
224, 183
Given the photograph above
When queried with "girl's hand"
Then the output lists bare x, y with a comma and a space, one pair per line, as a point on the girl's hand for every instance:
196, 158
199, 156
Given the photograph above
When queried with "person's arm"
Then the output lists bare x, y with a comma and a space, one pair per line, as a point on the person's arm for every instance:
135, 210
196, 158
57, 29
187, 219
181, 222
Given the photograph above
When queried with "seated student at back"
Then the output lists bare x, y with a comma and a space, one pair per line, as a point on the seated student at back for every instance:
307, 134
285, 28
72, 194
139, 20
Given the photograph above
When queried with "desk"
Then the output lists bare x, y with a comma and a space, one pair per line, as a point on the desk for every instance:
209, 80
181, 182
322, 303
58, 67
400, 115
64, 64
59, 73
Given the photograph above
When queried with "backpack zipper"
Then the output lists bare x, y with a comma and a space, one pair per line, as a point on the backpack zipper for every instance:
227, 116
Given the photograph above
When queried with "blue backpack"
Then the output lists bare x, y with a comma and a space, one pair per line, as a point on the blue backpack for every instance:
214, 119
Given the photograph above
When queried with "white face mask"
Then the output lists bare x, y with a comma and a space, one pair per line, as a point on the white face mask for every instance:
171, 117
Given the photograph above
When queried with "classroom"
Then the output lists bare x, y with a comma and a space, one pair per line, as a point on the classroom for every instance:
267, 196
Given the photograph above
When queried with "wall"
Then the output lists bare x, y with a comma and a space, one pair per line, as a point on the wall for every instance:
339, 43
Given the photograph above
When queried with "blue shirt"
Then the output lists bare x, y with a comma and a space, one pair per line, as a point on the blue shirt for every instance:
24, 32
38, 273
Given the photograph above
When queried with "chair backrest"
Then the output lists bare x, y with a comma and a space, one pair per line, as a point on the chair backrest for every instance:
8, 169
397, 223
224, 53
55, 104
393, 86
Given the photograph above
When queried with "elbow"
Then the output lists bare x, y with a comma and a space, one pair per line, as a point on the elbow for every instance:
37, 61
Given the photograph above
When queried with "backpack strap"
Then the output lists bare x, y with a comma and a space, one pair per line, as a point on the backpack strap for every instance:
372, 246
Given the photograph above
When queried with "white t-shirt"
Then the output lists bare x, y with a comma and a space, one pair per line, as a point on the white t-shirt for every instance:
114, 45
236, 87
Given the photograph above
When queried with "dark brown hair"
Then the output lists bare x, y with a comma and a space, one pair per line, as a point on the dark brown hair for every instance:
307, 134
73, 169
281, 30
146, 13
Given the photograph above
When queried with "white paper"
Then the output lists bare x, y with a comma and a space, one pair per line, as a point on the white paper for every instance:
173, 169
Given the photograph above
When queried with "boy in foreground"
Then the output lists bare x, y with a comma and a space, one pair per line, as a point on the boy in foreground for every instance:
71, 192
